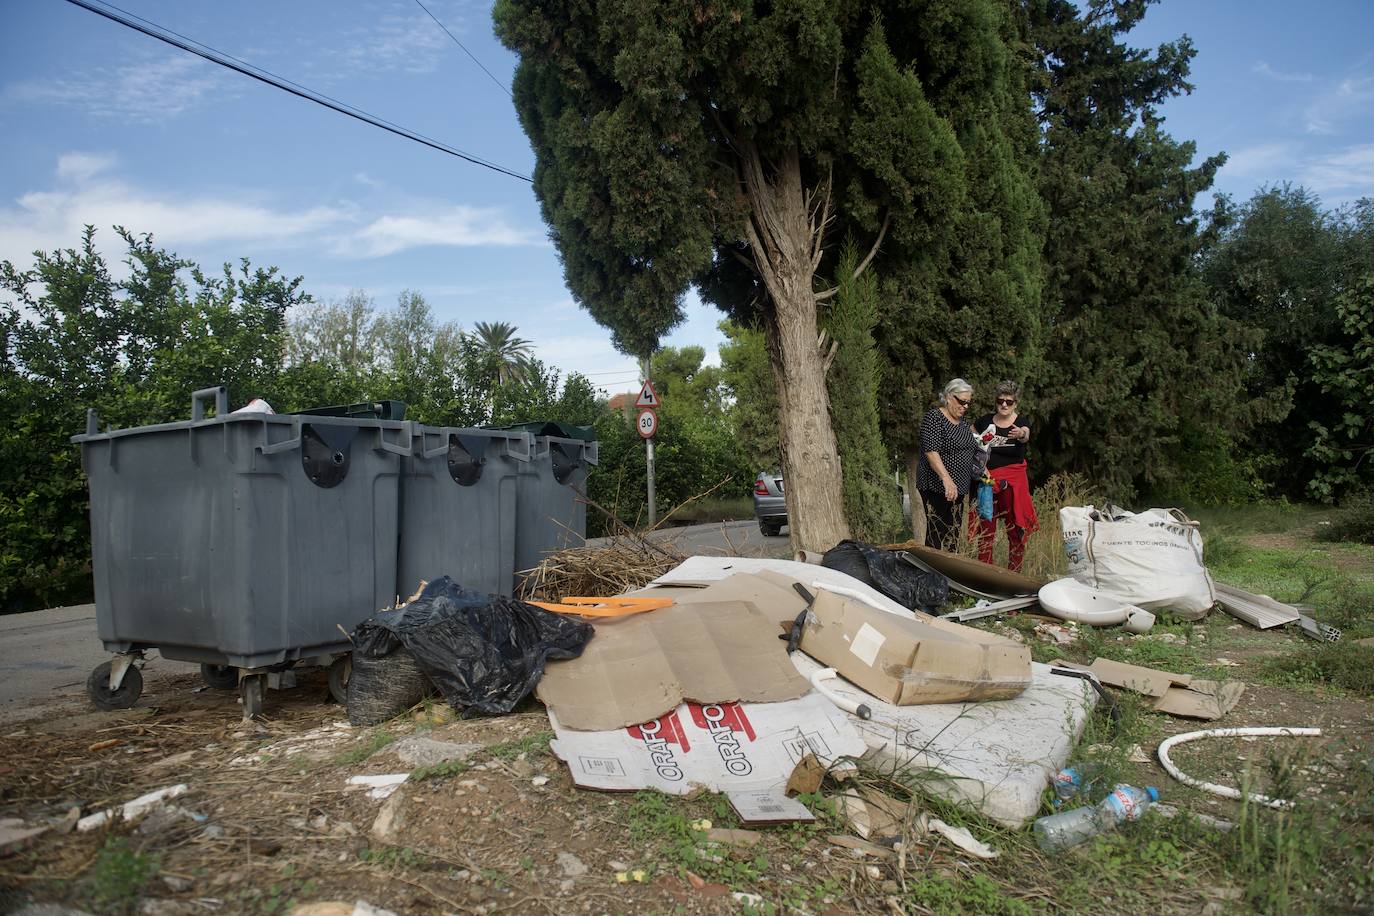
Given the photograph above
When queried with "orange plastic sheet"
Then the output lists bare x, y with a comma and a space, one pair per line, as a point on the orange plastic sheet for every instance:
604, 607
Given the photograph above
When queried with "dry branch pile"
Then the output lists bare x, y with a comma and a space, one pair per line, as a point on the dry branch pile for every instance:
621, 564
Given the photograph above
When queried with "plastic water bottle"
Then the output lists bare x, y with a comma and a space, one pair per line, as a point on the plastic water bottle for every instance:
1074, 781
1069, 828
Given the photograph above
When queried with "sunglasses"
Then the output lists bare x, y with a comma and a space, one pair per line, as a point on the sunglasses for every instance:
960, 401
1005, 402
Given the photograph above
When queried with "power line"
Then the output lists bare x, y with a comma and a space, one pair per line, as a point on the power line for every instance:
503, 86
152, 30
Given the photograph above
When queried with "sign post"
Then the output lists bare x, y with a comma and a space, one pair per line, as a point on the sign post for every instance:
647, 424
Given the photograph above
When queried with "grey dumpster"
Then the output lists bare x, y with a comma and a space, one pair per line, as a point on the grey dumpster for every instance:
239, 541
549, 514
459, 507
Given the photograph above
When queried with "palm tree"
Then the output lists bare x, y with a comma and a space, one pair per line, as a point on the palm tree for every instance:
498, 340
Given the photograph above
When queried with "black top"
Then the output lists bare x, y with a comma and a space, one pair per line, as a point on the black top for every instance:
953, 442
1004, 451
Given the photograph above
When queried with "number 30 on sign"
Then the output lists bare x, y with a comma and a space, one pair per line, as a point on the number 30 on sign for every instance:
647, 423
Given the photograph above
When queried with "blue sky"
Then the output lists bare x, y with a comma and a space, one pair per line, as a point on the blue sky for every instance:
103, 125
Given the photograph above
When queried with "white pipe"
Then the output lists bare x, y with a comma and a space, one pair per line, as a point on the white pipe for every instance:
818, 679
1227, 791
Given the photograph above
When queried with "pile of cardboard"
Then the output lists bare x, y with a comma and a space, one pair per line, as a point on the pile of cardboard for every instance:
704, 693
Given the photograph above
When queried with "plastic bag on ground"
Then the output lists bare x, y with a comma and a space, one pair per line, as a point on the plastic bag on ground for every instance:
1152, 559
907, 585
382, 687
484, 652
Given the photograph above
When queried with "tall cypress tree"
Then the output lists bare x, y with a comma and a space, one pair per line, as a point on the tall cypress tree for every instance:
1135, 351
729, 144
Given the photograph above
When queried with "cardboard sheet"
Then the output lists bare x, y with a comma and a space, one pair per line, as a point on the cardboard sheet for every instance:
996, 756
705, 570
908, 661
724, 748
640, 667
1176, 694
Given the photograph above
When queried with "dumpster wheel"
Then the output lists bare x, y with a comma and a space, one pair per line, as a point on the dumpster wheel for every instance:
220, 677
122, 697
339, 673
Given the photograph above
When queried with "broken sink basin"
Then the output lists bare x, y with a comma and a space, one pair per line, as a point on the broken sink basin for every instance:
1069, 599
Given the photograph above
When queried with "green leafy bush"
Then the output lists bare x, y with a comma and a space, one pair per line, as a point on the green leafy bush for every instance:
1354, 521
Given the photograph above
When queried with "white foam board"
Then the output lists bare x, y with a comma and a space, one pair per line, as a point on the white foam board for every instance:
700, 570
996, 755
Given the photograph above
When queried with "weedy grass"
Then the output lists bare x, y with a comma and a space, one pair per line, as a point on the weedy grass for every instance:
369, 746
119, 874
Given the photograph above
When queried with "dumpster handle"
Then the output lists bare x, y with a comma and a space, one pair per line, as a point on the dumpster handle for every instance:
528, 440
198, 399
395, 449
446, 431
285, 445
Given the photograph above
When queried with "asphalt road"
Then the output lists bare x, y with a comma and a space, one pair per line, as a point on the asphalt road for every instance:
48, 654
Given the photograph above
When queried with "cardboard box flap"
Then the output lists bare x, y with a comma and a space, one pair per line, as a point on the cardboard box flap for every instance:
1149, 681
638, 668
775, 597
1201, 699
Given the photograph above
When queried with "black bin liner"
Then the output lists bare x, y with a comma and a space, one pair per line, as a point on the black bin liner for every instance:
886, 571
484, 652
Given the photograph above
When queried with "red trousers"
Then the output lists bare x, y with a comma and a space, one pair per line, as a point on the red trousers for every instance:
985, 531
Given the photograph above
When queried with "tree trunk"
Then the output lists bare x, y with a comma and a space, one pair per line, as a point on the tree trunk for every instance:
784, 243
918, 506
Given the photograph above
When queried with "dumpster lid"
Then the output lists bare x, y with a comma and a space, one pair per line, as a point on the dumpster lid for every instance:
552, 428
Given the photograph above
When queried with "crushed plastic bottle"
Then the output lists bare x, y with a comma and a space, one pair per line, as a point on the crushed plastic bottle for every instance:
1070, 828
1074, 781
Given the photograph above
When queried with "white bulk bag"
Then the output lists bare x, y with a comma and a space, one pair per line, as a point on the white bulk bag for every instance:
1152, 559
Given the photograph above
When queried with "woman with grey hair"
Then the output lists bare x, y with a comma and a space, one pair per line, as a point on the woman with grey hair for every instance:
1011, 500
946, 464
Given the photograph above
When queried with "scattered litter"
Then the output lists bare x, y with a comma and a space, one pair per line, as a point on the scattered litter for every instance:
702, 825
1227, 663
539, 782
1057, 633
959, 836
910, 662
806, 777
1257, 610
1227, 791
131, 810
1137, 754
769, 807
336, 908
639, 876
379, 786
721, 747
872, 814
104, 745
861, 847
750, 900
15, 835
997, 757
386, 828
257, 405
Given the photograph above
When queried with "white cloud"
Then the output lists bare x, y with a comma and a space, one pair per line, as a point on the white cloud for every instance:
87, 194
1263, 68
1348, 173
411, 44
143, 92
457, 226
1261, 160
81, 167
1350, 100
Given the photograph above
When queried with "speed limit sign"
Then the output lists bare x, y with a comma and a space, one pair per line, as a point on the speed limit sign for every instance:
647, 424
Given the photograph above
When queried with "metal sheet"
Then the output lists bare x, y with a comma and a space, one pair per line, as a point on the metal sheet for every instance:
1257, 610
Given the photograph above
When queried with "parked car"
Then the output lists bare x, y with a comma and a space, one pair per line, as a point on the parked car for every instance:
770, 508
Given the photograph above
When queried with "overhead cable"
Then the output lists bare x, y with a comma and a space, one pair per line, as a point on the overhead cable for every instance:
503, 86
152, 30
